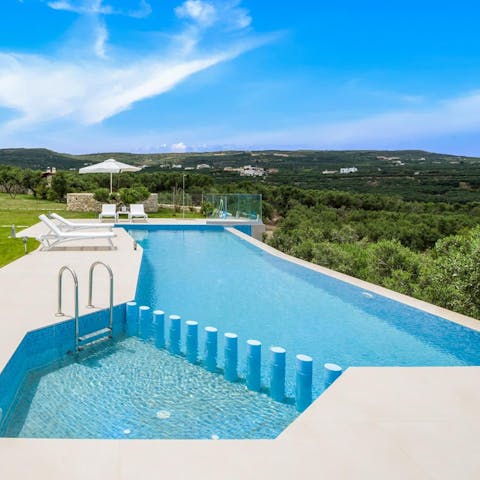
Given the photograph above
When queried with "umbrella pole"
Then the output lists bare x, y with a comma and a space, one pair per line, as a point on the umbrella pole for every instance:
111, 175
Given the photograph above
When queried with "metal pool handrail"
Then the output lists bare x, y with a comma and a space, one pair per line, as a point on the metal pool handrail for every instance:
90, 288
59, 310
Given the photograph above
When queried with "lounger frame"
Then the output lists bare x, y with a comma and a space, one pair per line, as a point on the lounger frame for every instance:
55, 236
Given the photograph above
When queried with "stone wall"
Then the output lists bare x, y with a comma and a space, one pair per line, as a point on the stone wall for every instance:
84, 202
151, 203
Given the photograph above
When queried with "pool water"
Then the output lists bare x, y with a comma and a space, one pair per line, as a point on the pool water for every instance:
133, 390
219, 279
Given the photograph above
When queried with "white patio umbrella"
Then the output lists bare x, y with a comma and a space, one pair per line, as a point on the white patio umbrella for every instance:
110, 166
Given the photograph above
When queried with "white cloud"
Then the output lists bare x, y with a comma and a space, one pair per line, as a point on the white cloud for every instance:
91, 91
81, 6
201, 12
101, 37
437, 128
449, 116
238, 17
453, 116
86, 83
97, 7
206, 14
178, 147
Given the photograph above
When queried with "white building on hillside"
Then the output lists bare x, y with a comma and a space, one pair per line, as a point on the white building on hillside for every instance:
349, 170
250, 171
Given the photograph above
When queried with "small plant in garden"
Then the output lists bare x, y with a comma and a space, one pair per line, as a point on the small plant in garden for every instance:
206, 208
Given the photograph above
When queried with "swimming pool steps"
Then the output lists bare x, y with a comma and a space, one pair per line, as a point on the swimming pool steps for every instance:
94, 338
148, 325
98, 336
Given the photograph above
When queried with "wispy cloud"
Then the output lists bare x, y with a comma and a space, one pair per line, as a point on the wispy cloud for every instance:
201, 12
207, 13
91, 92
408, 127
101, 37
87, 89
99, 7
81, 6
449, 116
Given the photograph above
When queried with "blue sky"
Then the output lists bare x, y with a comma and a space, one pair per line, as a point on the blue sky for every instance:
84, 76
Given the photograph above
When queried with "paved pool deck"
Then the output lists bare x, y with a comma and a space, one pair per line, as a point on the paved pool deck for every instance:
372, 423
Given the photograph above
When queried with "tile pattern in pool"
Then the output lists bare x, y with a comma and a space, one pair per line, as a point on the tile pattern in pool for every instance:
138, 391
45, 346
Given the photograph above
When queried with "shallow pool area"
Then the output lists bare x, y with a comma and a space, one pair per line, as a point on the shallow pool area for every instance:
131, 389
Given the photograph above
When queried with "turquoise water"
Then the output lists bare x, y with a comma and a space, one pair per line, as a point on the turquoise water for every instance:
133, 390
219, 279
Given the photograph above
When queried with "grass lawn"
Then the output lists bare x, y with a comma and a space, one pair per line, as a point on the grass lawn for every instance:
13, 248
23, 211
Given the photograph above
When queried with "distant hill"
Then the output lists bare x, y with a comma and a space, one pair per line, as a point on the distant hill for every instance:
36, 158
410, 174
41, 158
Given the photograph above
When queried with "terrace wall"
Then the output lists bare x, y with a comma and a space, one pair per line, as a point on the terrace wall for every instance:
85, 202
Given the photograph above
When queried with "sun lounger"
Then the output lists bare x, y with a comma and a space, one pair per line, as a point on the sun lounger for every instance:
55, 236
137, 211
108, 211
66, 225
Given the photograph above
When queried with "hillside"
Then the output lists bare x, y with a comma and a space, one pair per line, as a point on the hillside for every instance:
412, 174
40, 158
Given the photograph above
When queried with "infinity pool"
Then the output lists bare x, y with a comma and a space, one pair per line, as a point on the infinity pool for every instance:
133, 390
219, 279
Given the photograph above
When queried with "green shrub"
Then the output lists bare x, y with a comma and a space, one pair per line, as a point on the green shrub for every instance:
114, 197
206, 208
451, 278
133, 195
101, 195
